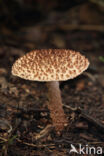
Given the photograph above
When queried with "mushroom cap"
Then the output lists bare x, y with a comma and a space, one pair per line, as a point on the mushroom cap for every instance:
50, 65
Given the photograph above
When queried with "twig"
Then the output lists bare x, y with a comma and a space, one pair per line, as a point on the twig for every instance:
34, 145
5, 123
82, 27
44, 132
93, 122
85, 27
3, 139
89, 76
28, 110
71, 108
90, 119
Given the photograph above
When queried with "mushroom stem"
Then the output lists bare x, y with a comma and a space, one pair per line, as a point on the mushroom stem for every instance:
55, 106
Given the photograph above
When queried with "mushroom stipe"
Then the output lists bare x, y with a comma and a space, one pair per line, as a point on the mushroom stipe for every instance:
51, 66
55, 106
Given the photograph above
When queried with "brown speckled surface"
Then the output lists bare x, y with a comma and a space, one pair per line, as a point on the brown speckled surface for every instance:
50, 65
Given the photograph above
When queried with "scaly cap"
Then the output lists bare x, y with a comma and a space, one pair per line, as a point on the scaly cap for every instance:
50, 65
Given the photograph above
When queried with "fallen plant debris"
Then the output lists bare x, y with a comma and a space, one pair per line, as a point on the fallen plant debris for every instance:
25, 122
89, 119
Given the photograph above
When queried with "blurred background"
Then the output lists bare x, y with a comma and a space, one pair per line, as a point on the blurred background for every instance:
26, 25
32, 24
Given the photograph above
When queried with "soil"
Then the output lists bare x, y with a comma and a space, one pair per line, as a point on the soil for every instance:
23, 104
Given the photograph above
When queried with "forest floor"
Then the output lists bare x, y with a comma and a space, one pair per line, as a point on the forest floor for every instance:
23, 104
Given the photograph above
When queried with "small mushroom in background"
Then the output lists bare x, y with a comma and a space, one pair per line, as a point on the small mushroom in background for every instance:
51, 66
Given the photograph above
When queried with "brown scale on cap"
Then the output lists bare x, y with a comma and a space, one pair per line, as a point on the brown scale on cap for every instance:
50, 65
53, 66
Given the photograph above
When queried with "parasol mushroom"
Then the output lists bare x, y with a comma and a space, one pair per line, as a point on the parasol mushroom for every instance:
51, 66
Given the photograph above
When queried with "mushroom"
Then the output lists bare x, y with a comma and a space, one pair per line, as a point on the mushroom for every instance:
51, 66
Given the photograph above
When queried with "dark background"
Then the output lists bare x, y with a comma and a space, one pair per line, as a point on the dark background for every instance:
26, 25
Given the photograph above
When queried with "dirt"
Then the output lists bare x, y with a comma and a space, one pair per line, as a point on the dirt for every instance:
23, 104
